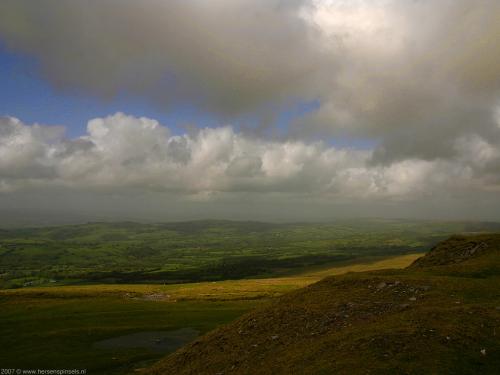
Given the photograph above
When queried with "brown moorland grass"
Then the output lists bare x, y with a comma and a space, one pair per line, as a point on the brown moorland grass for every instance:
220, 290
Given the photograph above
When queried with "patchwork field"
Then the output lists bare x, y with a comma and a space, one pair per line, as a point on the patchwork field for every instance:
203, 250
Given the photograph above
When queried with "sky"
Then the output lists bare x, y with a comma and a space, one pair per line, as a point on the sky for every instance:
270, 110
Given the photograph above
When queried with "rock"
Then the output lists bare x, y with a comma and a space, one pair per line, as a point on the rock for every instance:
382, 285
275, 337
412, 298
483, 351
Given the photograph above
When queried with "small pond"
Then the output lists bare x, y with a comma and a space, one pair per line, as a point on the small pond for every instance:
160, 341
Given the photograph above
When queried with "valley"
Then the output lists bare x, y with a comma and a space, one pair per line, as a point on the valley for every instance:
206, 250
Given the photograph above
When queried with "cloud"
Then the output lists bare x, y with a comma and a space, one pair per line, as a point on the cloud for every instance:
25, 151
419, 79
122, 153
415, 75
220, 54
416, 86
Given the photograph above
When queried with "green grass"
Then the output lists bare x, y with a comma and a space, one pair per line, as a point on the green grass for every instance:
60, 332
56, 327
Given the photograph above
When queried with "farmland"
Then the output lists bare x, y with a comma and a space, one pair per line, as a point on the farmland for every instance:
203, 250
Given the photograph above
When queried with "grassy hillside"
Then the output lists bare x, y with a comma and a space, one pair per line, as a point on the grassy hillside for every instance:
439, 316
202, 250
61, 327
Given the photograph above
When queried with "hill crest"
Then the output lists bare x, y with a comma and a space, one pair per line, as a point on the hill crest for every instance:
458, 249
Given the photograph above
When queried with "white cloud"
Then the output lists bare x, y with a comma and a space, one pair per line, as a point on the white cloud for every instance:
122, 153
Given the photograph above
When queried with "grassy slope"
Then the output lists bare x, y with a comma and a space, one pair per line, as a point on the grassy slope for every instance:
202, 250
55, 327
436, 317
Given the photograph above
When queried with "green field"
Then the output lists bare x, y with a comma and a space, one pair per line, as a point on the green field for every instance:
58, 327
203, 250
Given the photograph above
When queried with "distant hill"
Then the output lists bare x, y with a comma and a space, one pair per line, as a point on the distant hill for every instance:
441, 315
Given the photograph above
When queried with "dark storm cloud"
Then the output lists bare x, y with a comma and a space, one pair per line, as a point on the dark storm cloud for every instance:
221, 54
393, 70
